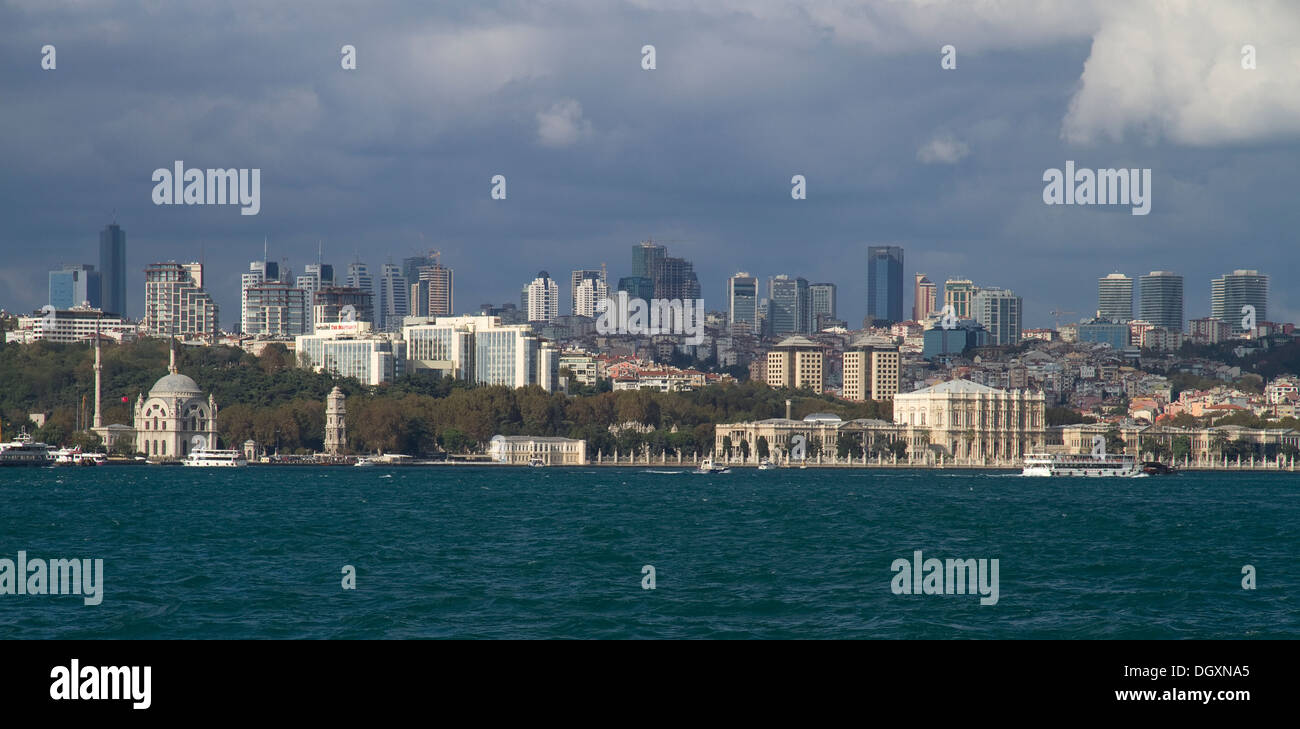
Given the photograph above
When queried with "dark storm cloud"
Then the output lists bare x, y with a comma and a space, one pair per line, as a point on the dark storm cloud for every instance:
396, 157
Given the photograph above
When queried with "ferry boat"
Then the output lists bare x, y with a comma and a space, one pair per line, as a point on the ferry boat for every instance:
23, 451
213, 458
707, 466
75, 457
1070, 464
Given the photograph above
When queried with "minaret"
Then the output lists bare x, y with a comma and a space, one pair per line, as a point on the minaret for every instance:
99, 370
171, 366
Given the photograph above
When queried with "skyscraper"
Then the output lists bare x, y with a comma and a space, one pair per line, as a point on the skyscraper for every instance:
596, 275
647, 257
431, 294
822, 305
924, 297
885, 282
175, 304
590, 297
742, 303
1231, 292
1115, 298
673, 278
276, 309
359, 277
541, 298
75, 284
958, 293
259, 272
1161, 294
394, 297
112, 269
789, 306
999, 310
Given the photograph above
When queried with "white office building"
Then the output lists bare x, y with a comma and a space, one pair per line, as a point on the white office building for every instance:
481, 350
352, 349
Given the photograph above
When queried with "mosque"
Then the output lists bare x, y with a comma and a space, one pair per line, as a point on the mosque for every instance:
175, 418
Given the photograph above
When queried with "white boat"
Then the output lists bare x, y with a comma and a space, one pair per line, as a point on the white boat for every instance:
75, 457
707, 466
766, 465
213, 458
536, 462
1070, 464
23, 451
363, 462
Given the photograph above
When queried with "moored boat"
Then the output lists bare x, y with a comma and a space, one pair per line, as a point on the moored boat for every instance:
23, 451
214, 458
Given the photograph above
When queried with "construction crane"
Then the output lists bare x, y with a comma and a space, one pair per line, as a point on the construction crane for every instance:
1058, 313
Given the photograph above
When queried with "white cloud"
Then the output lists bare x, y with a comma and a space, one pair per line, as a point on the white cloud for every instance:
944, 149
1173, 71
562, 125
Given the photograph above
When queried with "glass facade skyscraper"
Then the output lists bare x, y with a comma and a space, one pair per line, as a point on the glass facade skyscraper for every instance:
1231, 292
112, 269
1162, 300
885, 282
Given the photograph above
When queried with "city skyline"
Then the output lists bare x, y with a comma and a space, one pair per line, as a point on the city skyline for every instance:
1164, 298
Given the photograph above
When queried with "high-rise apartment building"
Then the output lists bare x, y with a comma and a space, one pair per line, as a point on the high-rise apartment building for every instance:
359, 277
885, 283
1000, 311
175, 304
112, 269
797, 363
1232, 292
924, 298
587, 288
393, 304
259, 272
871, 366
276, 309
431, 293
1115, 298
590, 297
541, 298
1161, 295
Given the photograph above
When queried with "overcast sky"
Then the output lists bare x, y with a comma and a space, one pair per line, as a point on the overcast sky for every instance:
396, 157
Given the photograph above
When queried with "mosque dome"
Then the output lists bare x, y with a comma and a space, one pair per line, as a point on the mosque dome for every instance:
175, 385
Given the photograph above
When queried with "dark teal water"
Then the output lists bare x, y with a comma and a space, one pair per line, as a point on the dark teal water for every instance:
557, 553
